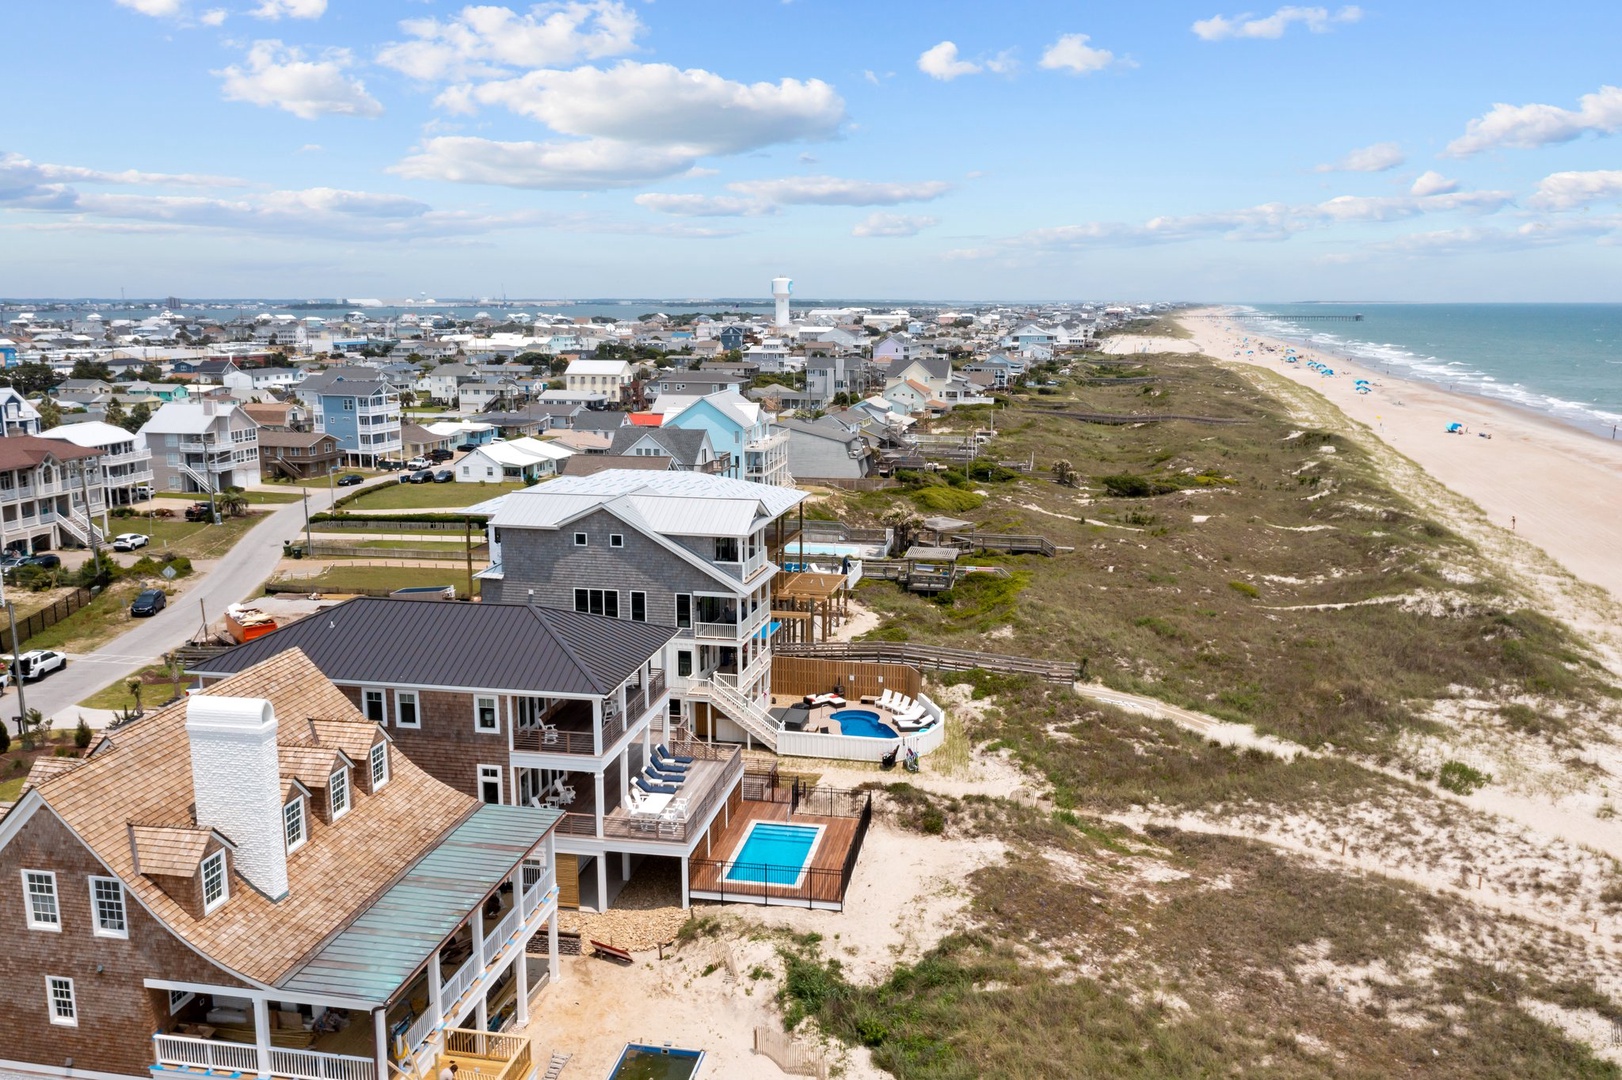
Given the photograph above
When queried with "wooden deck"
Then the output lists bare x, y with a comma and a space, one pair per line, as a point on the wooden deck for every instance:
821, 886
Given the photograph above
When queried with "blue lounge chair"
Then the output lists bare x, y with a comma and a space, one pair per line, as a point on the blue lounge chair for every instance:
665, 763
655, 789
655, 776
664, 751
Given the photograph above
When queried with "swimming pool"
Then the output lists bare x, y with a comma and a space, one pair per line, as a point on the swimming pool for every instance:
864, 722
773, 853
638, 1062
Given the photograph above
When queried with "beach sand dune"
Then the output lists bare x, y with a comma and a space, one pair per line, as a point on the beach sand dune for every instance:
1551, 485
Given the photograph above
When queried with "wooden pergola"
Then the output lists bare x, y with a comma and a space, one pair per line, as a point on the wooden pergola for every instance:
803, 599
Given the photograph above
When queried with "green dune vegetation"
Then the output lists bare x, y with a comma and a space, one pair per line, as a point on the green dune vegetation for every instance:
1171, 905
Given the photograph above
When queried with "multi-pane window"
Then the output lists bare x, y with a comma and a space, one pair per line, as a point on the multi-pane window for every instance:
380, 766
293, 822
639, 606
405, 709
339, 786
374, 706
107, 905
598, 602
726, 549
684, 610
485, 715
684, 663
214, 884
64, 1009
43, 911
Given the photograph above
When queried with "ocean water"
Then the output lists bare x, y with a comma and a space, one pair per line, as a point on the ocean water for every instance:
1563, 360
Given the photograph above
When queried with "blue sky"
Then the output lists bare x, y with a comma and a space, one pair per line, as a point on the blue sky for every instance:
1022, 150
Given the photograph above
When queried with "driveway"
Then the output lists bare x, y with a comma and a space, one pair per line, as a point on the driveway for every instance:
234, 577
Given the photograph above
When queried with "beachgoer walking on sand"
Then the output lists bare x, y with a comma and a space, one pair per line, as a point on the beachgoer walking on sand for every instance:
1512, 523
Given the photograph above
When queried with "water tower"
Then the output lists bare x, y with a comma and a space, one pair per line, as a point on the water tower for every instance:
781, 287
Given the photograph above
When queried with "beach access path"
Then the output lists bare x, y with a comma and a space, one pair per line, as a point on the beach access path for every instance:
1552, 485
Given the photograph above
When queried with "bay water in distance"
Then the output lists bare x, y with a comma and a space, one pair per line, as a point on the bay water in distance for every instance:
1562, 360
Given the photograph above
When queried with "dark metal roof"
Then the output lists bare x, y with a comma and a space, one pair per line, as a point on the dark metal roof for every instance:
504, 647
382, 948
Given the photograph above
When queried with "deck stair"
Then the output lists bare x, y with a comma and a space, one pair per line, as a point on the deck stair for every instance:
746, 714
201, 479
554, 1068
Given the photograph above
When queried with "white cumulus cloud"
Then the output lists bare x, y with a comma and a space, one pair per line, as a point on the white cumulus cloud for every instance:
590, 165
1572, 190
1072, 53
158, 9
1376, 158
942, 62
704, 205
1432, 182
1527, 127
1316, 19
279, 76
489, 40
880, 224
290, 9
836, 191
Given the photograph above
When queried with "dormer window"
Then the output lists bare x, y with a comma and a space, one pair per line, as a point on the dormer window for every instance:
216, 889
339, 787
380, 766
293, 823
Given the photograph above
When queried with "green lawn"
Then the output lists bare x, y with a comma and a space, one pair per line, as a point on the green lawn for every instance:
428, 496
193, 539
340, 579
93, 625
158, 687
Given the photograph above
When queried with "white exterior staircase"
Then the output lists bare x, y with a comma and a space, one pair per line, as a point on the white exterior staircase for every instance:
740, 710
80, 527
201, 479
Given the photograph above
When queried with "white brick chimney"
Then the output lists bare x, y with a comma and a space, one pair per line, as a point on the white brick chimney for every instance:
237, 784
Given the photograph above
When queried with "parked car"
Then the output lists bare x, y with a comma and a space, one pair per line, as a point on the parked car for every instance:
38, 663
391, 466
440, 455
44, 562
13, 557
198, 512
444, 476
417, 463
130, 541
421, 476
148, 602
350, 479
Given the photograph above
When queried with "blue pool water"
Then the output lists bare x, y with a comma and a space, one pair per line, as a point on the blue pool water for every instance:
774, 854
863, 722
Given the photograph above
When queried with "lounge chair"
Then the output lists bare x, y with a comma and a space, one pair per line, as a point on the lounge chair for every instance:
911, 715
654, 776
665, 764
549, 734
888, 699
648, 788
664, 751
901, 704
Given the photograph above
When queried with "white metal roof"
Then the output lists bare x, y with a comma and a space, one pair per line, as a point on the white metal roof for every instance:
92, 433
598, 367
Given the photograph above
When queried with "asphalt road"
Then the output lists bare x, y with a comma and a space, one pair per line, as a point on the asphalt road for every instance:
235, 576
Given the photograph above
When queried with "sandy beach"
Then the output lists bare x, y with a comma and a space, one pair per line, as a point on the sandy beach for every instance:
1553, 485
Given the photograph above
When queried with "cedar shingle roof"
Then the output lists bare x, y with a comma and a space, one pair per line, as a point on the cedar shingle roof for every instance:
141, 775
172, 850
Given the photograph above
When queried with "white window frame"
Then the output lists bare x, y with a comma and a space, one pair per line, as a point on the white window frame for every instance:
100, 928
581, 540
52, 983
218, 859
382, 700
296, 803
55, 925
488, 773
378, 761
616, 540
178, 1000
495, 713
400, 697
338, 783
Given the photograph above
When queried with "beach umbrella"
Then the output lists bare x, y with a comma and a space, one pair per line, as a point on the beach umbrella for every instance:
1454, 428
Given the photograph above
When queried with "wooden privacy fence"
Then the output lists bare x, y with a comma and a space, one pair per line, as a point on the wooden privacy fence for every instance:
927, 656
796, 676
43, 619
794, 1058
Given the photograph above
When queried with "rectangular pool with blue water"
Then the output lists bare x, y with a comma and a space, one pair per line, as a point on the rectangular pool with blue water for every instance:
774, 854
639, 1062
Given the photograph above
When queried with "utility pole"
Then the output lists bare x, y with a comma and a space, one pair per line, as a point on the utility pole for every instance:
89, 522
309, 544
208, 473
16, 661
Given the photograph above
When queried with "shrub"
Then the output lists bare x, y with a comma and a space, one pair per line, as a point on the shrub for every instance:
945, 500
82, 734
163, 513
1135, 486
5, 736
1461, 779
1245, 588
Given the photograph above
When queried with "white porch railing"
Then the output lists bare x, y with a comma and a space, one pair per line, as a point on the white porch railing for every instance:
495, 939
418, 1032
181, 1051
184, 1052
313, 1065
457, 985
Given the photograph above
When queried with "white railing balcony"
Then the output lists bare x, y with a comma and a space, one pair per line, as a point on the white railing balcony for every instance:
314, 1065
724, 631
453, 988
184, 1052
420, 1030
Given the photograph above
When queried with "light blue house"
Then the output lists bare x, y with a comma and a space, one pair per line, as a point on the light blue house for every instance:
736, 426
8, 353
363, 413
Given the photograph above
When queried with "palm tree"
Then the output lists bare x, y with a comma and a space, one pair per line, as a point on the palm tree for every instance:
1064, 473
233, 503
